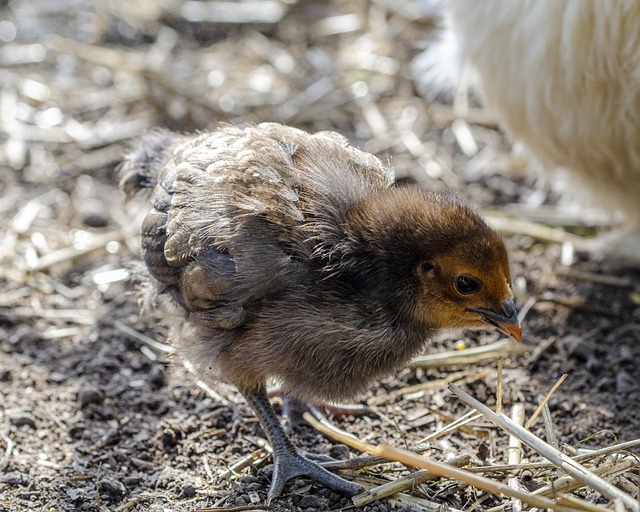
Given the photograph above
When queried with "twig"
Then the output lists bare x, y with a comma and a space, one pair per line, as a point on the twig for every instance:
549, 452
620, 282
552, 439
410, 459
532, 229
515, 452
161, 347
244, 462
7, 451
402, 484
499, 388
634, 443
568, 483
72, 253
546, 399
421, 446
241, 508
472, 355
465, 376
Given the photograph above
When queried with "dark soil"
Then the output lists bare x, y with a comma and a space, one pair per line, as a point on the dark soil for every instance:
91, 418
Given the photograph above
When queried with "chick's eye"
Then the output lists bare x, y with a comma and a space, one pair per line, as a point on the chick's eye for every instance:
467, 285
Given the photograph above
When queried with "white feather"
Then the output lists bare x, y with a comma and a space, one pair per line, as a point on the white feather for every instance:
563, 76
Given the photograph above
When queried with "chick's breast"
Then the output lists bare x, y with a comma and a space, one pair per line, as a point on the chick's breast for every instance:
241, 224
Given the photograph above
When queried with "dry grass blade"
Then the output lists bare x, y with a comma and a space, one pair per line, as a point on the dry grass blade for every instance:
546, 399
423, 445
550, 432
515, 452
618, 448
621, 448
68, 254
161, 347
241, 508
549, 452
457, 424
403, 484
469, 356
609, 280
568, 483
438, 468
499, 389
429, 385
7, 452
539, 231
244, 462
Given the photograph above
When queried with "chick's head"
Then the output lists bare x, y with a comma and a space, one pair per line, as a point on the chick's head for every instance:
439, 261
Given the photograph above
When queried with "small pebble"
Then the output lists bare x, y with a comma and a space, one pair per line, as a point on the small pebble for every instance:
312, 502
188, 491
30, 495
112, 488
22, 418
157, 376
95, 220
339, 452
297, 484
14, 478
169, 437
57, 377
625, 383
89, 395
132, 482
241, 501
580, 349
625, 355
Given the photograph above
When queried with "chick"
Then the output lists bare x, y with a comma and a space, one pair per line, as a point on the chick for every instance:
295, 260
562, 76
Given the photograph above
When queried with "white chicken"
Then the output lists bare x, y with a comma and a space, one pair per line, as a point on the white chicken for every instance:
563, 77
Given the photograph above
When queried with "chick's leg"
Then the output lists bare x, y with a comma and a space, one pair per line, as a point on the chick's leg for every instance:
288, 462
293, 410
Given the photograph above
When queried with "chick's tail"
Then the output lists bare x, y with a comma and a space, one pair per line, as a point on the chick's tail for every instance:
142, 166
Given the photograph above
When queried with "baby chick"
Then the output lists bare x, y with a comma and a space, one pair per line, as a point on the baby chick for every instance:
295, 260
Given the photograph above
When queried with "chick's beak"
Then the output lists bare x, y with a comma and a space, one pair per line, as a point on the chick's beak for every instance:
505, 320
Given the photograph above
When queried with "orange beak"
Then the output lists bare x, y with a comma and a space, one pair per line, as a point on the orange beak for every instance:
506, 320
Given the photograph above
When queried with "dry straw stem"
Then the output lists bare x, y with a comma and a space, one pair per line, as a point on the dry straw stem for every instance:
568, 483
606, 279
546, 399
602, 452
68, 254
558, 458
403, 484
423, 444
499, 390
538, 231
457, 424
515, 450
7, 452
439, 468
464, 376
244, 462
469, 356
160, 347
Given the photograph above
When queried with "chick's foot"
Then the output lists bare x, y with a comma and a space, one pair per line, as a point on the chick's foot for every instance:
288, 461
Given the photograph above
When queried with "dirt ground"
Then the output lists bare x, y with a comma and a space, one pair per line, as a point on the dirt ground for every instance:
93, 418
